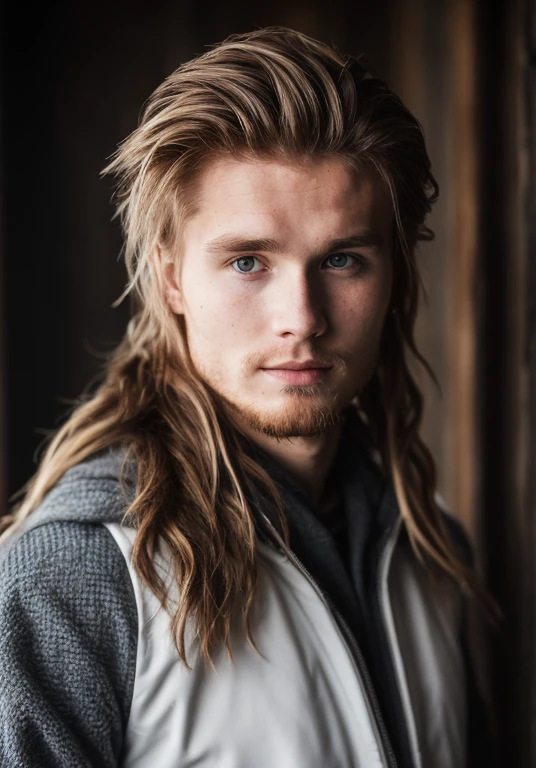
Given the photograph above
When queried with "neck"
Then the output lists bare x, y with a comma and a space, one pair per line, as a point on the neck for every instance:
307, 459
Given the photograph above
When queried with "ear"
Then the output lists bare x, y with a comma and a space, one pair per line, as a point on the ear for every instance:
167, 269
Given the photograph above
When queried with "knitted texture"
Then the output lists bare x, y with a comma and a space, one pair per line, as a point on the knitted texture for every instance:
68, 639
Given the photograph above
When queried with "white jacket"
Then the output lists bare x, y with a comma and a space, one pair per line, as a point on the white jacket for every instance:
307, 701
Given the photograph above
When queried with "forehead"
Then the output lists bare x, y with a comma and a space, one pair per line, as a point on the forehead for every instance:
319, 194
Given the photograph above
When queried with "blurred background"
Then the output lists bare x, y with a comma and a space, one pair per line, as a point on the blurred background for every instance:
73, 78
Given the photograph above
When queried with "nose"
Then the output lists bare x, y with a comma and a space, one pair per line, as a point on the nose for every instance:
299, 308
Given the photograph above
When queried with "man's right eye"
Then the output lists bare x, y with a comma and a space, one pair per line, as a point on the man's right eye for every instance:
245, 264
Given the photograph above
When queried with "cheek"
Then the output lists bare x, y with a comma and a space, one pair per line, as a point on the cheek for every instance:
217, 319
360, 315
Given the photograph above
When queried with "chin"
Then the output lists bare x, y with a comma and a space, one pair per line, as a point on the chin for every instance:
302, 417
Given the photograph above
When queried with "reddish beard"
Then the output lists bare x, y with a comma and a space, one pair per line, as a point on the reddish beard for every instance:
309, 411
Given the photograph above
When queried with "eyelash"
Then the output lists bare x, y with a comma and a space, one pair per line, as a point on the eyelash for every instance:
357, 261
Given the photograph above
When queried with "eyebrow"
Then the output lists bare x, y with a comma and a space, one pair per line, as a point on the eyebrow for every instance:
239, 244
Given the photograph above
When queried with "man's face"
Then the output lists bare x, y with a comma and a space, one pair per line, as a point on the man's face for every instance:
282, 266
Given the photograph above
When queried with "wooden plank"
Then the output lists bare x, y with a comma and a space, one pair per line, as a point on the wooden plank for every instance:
417, 76
526, 319
463, 203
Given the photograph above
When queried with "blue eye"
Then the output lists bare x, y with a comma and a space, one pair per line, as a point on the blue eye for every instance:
244, 265
341, 260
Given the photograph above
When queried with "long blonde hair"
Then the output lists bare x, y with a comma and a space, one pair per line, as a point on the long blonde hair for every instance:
271, 93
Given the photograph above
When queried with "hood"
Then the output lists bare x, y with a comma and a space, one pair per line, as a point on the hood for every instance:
89, 492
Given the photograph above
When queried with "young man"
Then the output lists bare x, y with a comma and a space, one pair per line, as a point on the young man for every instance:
231, 554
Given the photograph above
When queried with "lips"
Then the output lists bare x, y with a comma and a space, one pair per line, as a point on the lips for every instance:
309, 372
292, 365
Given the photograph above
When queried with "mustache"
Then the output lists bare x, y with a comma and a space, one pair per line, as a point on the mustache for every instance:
276, 355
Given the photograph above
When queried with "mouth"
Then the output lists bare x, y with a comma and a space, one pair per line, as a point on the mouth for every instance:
309, 372
294, 365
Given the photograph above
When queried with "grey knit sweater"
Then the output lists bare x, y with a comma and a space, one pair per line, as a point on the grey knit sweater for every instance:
68, 628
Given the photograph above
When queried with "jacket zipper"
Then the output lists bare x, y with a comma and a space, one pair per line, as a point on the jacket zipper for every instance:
371, 701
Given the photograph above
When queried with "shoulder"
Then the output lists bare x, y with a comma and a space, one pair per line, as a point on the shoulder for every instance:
64, 586
74, 571
97, 490
68, 562
63, 554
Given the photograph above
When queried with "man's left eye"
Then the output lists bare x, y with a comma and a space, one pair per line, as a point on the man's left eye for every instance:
341, 260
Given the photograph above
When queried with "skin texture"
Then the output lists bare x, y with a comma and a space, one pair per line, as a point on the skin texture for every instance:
296, 299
